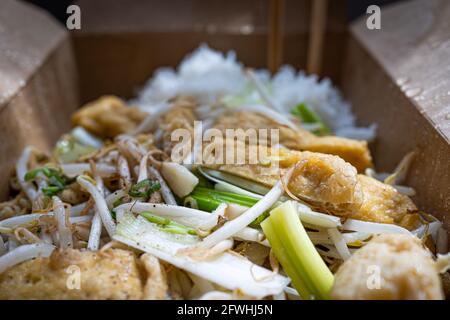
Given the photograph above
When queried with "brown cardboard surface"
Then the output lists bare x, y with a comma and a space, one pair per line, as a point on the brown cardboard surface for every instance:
414, 49
40, 72
376, 66
27, 37
117, 50
121, 43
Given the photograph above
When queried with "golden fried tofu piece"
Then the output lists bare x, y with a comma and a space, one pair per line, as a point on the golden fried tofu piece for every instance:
108, 117
112, 274
389, 267
325, 181
353, 151
383, 203
180, 116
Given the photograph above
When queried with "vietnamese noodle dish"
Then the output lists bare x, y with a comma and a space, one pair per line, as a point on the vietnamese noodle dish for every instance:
217, 182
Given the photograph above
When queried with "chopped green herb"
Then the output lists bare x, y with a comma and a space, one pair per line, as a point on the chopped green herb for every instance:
55, 179
144, 188
168, 225
51, 190
307, 115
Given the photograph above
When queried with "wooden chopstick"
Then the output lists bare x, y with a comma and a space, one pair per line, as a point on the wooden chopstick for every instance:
316, 36
275, 35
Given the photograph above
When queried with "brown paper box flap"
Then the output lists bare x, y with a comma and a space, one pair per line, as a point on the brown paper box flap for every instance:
413, 46
27, 36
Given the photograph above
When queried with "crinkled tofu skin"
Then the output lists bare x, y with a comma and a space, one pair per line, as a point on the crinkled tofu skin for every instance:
108, 117
328, 183
389, 267
180, 116
353, 151
383, 203
112, 274
324, 180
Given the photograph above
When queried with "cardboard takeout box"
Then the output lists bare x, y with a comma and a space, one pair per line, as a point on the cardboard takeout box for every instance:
397, 77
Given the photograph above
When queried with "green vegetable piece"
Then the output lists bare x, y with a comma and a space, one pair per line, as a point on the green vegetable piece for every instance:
296, 253
309, 116
144, 188
209, 199
51, 190
154, 218
55, 179
168, 225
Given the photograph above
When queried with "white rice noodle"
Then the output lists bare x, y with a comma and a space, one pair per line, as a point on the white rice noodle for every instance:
331, 251
273, 114
216, 295
130, 145
352, 237
228, 187
189, 217
234, 210
238, 181
230, 228
431, 228
151, 120
316, 218
80, 219
100, 203
45, 237
262, 91
96, 226
76, 210
65, 235
13, 243
24, 253
76, 169
217, 250
250, 234
95, 233
225, 186
143, 168
339, 243
124, 169
17, 221
400, 172
21, 170
373, 227
323, 237
81, 135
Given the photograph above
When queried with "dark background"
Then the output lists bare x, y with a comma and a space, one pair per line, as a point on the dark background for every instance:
355, 7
